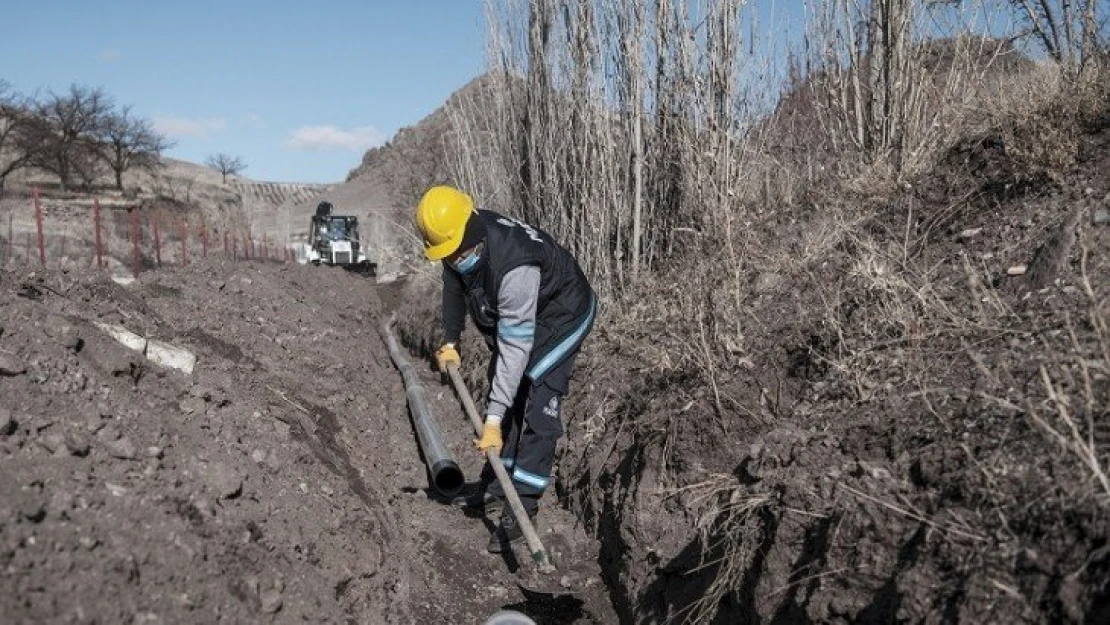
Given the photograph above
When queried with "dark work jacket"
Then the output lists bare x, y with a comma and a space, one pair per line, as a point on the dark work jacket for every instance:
566, 300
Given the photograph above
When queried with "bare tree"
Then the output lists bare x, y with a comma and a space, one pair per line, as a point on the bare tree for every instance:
128, 141
225, 164
13, 121
63, 130
1067, 29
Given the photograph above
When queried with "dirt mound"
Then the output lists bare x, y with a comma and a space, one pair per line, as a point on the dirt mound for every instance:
911, 426
281, 477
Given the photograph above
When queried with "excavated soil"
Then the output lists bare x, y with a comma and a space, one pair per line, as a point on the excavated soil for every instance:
913, 427
280, 481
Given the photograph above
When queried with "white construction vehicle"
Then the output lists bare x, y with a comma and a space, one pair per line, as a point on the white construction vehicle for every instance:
335, 240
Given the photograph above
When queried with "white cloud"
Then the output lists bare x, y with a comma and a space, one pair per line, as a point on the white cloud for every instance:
254, 120
183, 127
318, 138
109, 56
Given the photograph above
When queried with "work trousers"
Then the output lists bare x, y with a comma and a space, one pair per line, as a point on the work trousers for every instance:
530, 430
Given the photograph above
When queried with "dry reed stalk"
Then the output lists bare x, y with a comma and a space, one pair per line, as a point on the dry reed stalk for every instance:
721, 509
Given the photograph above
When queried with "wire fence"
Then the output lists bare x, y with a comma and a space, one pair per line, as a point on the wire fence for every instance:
124, 236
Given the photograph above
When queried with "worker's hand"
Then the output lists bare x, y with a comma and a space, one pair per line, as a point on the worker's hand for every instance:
447, 355
491, 437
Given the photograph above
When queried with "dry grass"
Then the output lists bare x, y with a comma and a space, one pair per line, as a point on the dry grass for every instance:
722, 509
1070, 406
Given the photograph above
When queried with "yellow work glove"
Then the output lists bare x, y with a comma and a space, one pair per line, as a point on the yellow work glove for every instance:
446, 355
491, 437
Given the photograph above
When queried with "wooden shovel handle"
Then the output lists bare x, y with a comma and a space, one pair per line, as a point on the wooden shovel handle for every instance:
539, 554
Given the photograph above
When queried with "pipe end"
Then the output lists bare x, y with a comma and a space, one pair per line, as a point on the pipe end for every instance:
447, 477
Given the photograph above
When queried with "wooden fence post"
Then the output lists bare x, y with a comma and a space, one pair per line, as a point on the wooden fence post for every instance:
184, 243
38, 226
96, 234
136, 229
157, 238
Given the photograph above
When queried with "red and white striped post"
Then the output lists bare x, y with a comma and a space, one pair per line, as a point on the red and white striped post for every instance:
11, 241
234, 247
136, 233
38, 226
203, 239
96, 234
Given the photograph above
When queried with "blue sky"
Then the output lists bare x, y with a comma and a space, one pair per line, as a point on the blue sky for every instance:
298, 90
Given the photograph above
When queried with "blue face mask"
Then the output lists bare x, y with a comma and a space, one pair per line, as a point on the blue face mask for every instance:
467, 263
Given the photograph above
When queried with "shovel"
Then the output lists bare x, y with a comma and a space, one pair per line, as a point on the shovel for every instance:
539, 554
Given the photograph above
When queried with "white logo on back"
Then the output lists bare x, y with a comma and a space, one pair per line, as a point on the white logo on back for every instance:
529, 230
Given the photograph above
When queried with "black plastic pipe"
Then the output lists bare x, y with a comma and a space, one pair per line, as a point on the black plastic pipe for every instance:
447, 478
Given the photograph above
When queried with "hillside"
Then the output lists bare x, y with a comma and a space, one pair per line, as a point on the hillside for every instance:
383, 189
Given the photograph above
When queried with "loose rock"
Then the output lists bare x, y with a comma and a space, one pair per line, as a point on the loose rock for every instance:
115, 489
94, 421
77, 445
11, 367
123, 449
271, 601
52, 442
33, 510
7, 423
62, 331
172, 356
225, 481
193, 405
128, 338
61, 502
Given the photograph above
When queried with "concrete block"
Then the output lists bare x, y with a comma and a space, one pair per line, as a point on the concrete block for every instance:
171, 356
123, 335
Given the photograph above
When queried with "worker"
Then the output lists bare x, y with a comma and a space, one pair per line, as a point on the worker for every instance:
531, 302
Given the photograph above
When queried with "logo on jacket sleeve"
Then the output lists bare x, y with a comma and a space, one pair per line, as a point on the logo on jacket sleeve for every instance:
529, 230
552, 408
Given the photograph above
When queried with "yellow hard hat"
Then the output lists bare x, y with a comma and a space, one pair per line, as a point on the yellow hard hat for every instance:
441, 216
